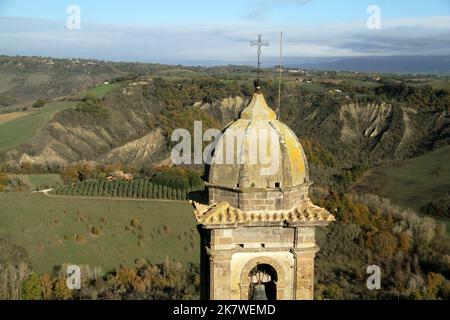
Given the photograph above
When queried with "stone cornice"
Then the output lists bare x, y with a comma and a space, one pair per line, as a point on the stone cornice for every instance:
224, 216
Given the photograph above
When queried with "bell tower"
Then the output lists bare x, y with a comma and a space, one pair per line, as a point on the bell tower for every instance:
258, 230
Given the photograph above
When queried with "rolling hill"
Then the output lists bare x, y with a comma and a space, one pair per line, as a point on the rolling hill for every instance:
397, 126
26, 79
141, 114
343, 120
411, 183
22, 129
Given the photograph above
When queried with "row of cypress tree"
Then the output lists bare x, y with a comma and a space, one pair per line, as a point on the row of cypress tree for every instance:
138, 188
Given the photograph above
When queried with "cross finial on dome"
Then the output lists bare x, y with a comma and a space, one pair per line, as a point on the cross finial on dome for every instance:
260, 43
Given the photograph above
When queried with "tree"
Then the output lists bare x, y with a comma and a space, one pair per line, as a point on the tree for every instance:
101, 187
195, 180
27, 167
121, 189
60, 290
150, 194
91, 105
86, 172
3, 181
160, 193
405, 241
39, 103
31, 288
69, 175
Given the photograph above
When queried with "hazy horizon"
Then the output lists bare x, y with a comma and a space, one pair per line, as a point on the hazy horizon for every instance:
175, 32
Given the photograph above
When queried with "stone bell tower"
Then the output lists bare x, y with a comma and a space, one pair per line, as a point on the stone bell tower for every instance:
258, 230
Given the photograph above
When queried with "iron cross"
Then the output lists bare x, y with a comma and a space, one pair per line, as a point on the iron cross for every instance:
260, 44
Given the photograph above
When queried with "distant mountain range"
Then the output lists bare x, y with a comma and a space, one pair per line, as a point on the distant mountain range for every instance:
386, 64
393, 64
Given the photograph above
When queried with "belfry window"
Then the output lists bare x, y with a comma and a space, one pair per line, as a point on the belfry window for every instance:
263, 283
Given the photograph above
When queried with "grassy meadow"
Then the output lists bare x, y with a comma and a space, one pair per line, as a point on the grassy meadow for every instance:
43, 181
105, 233
6, 117
20, 130
99, 91
20, 127
411, 183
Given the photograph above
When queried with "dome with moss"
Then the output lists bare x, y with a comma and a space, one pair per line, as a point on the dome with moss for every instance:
289, 164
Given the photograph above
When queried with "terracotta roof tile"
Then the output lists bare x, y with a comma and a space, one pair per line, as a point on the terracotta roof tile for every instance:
224, 215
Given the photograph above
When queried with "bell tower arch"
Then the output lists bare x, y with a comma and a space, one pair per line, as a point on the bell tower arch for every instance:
263, 271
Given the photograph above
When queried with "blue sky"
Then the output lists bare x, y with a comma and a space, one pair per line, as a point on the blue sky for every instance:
173, 30
226, 11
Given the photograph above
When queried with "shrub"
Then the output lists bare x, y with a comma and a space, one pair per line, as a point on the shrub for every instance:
31, 288
437, 208
39, 103
91, 105
60, 290
96, 231
135, 222
80, 238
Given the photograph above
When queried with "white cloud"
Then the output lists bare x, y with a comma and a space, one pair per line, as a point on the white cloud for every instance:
259, 9
424, 36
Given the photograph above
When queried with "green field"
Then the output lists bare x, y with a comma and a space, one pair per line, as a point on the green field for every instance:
36, 182
47, 229
103, 89
16, 132
21, 130
42, 181
99, 91
411, 183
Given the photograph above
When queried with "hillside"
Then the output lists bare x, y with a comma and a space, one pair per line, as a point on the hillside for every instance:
139, 116
396, 127
26, 126
135, 129
412, 183
346, 122
26, 79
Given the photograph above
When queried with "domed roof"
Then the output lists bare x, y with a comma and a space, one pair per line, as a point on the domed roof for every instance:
244, 159
258, 109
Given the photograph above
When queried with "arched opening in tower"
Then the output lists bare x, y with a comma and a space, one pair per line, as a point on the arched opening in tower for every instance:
263, 283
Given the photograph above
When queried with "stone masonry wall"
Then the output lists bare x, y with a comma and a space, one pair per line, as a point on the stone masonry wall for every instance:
235, 252
259, 200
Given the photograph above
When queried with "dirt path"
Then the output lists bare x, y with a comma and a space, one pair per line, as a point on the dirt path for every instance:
6, 117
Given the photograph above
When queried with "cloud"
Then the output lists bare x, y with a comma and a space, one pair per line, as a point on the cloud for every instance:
259, 9
223, 43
